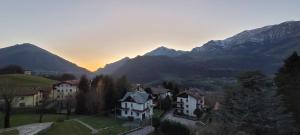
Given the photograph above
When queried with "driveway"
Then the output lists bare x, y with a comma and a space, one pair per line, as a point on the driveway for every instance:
189, 123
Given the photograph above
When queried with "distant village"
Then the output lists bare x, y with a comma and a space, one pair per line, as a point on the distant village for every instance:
137, 104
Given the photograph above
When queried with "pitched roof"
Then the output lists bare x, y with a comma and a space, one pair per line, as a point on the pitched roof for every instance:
137, 96
159, 90
32, 91
193, 92
71, 82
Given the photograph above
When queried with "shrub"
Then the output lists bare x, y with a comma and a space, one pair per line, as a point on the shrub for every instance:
156, 123
173, 128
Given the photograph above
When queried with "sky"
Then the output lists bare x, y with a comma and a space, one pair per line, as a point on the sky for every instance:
92, 33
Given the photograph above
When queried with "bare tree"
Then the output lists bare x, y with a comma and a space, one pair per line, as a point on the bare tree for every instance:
70, 103
8, 96
41, 105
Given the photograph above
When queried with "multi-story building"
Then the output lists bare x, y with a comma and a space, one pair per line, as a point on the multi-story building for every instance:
188, 101
63, 90
137, 105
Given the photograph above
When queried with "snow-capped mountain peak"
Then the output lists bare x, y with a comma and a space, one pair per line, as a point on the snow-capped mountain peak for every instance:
164, 51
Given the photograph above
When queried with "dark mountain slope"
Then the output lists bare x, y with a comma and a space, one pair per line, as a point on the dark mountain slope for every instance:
259, 49
36, 59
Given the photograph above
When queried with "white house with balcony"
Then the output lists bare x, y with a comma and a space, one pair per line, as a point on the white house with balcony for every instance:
188, 101
137, 105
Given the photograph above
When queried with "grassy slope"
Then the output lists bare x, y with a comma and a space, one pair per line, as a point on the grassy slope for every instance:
67, 128
20, 80
112, 126
22, 119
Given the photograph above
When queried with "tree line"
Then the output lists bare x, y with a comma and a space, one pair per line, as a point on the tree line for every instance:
261, 105
100, 95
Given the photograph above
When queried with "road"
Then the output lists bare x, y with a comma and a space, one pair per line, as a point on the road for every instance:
143, 131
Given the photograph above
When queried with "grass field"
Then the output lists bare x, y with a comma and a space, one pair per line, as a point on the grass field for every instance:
22, 119
24, 81
109, 126
13, 132
67, 128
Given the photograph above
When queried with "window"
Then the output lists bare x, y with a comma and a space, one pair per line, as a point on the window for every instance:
131, 105
137, 114
187, 106
125, 112
125, 105
131, 113
22, 98
70, 90
187, 111
187, 100
180, 100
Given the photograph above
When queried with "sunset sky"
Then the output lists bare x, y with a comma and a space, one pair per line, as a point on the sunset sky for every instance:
92, 33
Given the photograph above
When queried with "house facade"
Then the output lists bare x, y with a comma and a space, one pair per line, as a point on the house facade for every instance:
30, 98
159, 93
137, 105
188, 101
62, 90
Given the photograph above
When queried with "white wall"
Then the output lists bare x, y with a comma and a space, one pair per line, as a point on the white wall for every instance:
61, 91
190, 104
131, 106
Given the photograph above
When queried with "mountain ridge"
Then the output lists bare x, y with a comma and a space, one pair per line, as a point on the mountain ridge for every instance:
32, 57
258, 49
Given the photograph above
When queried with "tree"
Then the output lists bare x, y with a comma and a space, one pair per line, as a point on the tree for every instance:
288, 82
67, 76
41, 106
166, 103
173, 87
8, 95
255, 108
148, 90
12, 69
69, 101
156, 123
122, 86
173, 128
198, 112
109, 92
81, 98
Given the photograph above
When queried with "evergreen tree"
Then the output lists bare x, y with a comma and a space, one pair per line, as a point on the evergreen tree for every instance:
198, 112
109, 92
288, 82
166, 103
81, 97
255, 108
173, 87
122, 86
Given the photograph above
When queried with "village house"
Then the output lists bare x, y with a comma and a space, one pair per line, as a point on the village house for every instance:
188, 101
137, 105
63, 90
30, 97
159, 93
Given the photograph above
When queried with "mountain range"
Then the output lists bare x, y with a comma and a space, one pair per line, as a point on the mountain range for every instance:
261, 49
